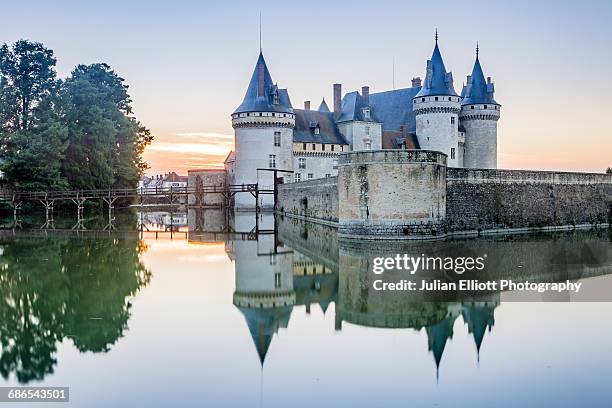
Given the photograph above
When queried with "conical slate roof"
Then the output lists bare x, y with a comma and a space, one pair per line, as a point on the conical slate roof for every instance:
438, 82
262, 94
479, 319
479, 91
323, 106
263, 324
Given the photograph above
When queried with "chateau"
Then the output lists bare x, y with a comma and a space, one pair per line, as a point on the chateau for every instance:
271, 134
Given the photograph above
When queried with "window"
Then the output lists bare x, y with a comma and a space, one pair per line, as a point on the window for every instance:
303, 146
298, 176
277, 280
422, 99
368, 145
452, 120
472, 107
317, 130
332, 147
367, 130
449, 99
314, 146
485, 106
436, 98
301, 163
277, 139
310, 176
323, 147
327, 175
366, 113
335, 164
452, 152
272, 161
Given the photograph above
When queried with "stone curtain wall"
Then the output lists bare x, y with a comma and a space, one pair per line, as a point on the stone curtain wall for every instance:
317, 199
499, 199
207, 178
480, 200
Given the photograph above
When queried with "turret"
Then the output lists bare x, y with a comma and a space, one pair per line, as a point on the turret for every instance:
263, 131
264, 291
479, 115
436, 107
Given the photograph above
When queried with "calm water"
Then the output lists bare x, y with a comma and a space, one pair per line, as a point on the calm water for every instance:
224, 316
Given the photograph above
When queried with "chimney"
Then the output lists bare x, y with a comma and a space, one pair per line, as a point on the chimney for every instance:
306, 105
365, 94
416, 82
260, 79
337, 100
488, 80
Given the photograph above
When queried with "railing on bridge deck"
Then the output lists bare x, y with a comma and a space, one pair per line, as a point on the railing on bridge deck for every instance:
111, 195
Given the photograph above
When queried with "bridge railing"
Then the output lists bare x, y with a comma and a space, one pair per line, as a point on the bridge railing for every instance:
133, 192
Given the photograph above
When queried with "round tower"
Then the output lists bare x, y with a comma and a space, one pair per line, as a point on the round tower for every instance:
263, 135
479, 115
436, 107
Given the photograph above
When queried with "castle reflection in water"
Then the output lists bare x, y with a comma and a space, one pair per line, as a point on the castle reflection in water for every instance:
282, 263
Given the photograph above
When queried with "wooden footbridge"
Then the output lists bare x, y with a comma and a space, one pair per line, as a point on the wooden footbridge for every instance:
139, 196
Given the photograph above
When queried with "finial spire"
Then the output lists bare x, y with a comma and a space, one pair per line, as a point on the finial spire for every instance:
436, 36
477, 49
260, 31
393, 72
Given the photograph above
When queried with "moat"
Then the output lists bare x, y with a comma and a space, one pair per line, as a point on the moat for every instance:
213, 309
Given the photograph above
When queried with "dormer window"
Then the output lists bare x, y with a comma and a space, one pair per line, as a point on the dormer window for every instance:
317, 130
366, 114
275, 99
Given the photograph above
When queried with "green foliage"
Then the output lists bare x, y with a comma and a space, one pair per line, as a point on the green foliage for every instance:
72, 289
77, 134
609, 170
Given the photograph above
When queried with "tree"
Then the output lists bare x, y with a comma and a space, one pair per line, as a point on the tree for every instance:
32, 137
79, 133
27, 76
609, 170
102, 133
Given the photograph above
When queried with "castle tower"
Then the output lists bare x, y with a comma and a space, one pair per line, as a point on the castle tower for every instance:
263, 135
264, 291
479, 115
436, 107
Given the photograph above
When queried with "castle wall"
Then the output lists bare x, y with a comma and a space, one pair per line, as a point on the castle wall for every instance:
396, 193
480, 199
315, 199
206, 178
476, 200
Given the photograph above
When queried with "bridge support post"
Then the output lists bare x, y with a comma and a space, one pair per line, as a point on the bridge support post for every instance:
48, 213
110, 202
17, 204
80, 203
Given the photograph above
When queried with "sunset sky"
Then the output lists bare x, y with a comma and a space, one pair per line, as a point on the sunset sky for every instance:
188, 64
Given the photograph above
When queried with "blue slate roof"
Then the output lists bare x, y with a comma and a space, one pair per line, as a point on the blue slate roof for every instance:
263, 324
323, 106
437, 80
352, 108
257, 101
307, 120
479, 91
394, 108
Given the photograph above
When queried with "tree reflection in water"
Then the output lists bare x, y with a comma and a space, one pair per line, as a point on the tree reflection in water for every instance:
54, 289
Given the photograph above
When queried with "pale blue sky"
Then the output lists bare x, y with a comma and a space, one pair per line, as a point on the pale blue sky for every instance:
188, 63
